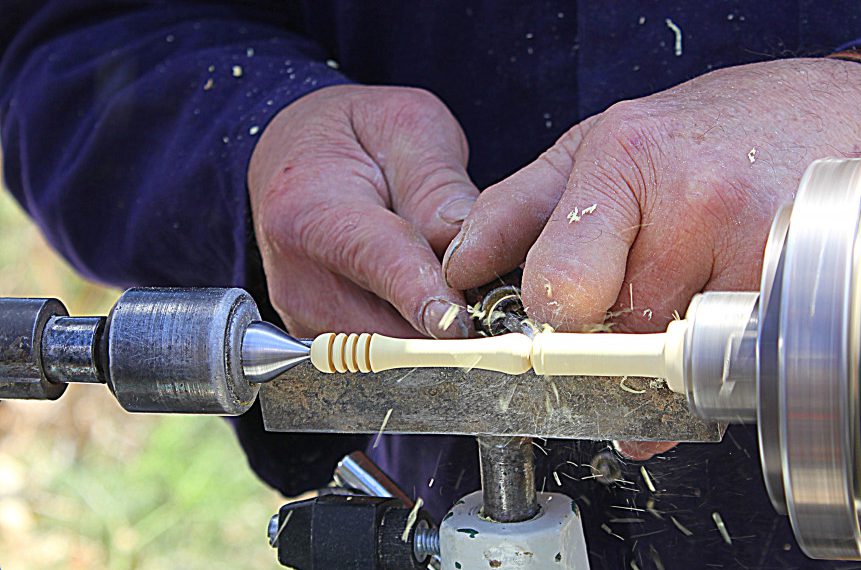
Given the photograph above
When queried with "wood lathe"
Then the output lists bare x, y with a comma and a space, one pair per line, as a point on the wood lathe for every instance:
785, 357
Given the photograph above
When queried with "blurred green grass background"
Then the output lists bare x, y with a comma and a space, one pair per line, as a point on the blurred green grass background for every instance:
84, 485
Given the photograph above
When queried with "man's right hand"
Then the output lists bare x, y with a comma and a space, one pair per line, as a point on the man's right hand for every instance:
355, 193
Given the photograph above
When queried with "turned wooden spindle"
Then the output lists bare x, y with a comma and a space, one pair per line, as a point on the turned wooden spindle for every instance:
365, 352
658, 355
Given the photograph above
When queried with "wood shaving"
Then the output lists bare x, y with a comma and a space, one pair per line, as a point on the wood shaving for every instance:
274, 540
383, 427
682, 528
576, 214
656, 558
627, 388
473, 365
647, 478
411, 519
650, 507
609, 531
721, 527
598, 327
505, 402
398, 381
448, 318
677, 47
475, 311
624, 508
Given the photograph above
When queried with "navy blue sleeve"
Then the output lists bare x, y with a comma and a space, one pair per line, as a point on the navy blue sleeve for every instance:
127, 128
850, 45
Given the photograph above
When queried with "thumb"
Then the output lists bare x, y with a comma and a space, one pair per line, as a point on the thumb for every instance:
576, 268
508, 216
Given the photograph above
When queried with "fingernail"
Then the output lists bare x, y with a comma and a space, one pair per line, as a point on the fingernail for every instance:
450, 251
457, 211
441, 321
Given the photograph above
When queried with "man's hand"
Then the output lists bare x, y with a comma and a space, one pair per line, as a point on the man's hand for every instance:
355, 193
635, 210
684, 186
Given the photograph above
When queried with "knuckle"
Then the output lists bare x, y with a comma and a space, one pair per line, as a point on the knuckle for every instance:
633, 128
427, 180
626, 160
570, 141
414, 110
612, 187
559, 157
720, 201
413, 100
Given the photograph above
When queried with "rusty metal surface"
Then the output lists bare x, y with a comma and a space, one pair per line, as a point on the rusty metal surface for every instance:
454, 401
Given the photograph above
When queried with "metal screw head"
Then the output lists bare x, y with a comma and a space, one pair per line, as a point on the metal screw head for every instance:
272, 531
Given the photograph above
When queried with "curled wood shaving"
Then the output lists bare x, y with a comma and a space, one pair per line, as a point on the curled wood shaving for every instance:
677, 31
627, 388
411, 520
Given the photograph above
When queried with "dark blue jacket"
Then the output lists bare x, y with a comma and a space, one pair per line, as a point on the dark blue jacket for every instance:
135, 171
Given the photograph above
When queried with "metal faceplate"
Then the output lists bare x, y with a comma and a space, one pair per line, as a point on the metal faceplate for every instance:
818, 361
455, 401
